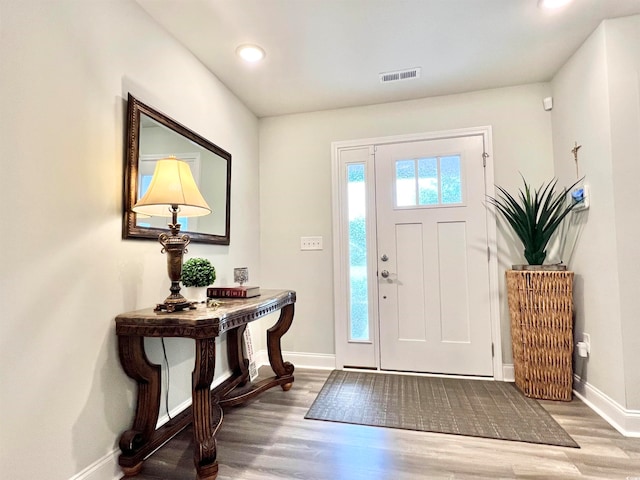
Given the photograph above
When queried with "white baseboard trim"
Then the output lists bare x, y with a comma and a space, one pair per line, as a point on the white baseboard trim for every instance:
261, 357
321, 361
627, 422
508, 373
173, 412
106, 468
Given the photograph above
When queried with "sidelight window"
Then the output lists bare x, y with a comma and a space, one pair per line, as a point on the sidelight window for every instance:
358, 281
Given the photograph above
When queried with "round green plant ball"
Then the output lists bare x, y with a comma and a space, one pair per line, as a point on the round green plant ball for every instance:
198, 272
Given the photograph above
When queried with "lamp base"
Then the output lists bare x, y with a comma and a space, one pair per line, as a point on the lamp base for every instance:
175, 305
174, 246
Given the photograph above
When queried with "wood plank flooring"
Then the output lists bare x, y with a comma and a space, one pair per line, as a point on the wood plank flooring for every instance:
269, 439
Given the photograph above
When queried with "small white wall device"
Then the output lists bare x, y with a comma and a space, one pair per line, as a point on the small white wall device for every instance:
580, 195
547, 103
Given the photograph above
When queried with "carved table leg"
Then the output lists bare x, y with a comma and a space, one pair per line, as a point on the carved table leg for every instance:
207, 415
137, 366
274, 334
238, 364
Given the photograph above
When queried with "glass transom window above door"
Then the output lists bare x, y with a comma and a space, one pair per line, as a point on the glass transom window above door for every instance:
431, 181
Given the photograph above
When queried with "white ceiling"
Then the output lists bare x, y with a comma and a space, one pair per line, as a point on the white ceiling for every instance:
324, 54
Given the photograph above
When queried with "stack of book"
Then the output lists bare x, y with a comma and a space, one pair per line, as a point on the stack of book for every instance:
233, 292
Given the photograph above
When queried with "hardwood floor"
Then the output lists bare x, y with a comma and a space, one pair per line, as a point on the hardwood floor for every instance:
269, 439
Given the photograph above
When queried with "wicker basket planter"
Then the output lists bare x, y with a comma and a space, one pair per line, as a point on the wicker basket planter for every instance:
541, 310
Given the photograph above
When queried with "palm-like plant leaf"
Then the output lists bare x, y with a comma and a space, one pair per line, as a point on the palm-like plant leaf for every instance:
534, 216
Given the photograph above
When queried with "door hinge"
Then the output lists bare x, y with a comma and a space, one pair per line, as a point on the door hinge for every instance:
488, 254
485, 155
493, 352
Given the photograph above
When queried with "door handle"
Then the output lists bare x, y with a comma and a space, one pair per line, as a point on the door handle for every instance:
384, 274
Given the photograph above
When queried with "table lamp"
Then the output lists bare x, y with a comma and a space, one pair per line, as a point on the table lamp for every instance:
173, 191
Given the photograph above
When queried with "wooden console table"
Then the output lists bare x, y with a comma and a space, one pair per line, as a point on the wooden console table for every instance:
203, 325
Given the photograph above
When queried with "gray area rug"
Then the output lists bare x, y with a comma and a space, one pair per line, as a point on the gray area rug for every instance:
476, 408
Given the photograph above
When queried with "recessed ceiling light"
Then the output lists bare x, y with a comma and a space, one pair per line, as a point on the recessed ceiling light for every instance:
250, 53
551, 4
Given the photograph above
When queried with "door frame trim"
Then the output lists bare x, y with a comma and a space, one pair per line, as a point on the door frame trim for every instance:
340, 266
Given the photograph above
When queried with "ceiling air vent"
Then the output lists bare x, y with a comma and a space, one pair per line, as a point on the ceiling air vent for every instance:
400, 75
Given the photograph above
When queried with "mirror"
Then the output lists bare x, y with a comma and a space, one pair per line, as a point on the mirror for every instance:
152, 136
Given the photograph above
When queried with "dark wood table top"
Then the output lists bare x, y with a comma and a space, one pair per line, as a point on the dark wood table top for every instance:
203, 322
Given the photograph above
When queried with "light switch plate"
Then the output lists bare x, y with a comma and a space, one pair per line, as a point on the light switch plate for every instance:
311, 243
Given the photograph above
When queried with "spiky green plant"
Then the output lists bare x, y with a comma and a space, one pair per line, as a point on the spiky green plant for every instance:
535, 216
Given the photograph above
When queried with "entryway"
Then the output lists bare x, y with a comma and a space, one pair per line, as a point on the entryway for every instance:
412, 245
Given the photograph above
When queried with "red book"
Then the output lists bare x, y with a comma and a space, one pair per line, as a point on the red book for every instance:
233, 292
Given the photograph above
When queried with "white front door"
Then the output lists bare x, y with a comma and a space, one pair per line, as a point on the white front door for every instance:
432, 257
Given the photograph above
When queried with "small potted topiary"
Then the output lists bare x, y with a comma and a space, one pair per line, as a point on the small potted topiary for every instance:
197, 274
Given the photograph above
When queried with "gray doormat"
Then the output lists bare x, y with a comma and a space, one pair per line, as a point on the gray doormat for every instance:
477, 408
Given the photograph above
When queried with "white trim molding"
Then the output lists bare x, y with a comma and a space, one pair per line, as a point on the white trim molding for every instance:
627, 422
360, 151
105, 468
321, 361
508, 373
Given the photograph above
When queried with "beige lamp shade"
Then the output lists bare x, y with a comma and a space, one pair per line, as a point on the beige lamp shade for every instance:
172, 184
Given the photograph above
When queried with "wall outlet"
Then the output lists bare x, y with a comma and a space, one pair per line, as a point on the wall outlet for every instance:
586, 338
311, 243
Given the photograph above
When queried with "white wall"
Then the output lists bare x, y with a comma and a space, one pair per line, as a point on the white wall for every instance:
295, 185
581, 113
623, 61
597, 104
67, 67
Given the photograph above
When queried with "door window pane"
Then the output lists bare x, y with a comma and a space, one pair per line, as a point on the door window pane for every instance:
428, 181
450, 178
405, 183
358, 282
